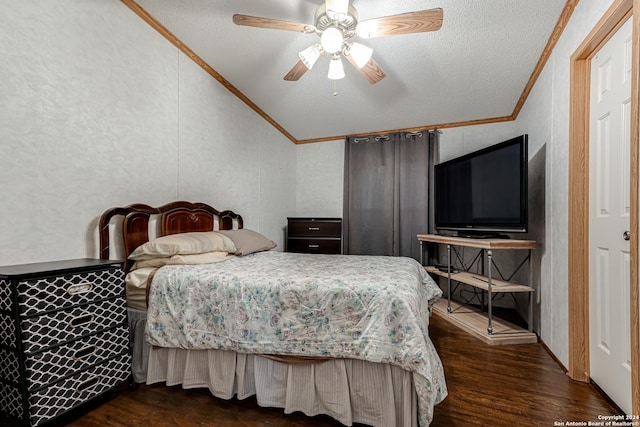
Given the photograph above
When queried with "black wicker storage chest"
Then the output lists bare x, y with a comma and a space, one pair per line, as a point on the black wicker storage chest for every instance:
64, 338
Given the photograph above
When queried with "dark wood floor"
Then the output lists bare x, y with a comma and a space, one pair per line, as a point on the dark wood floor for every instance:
488, 386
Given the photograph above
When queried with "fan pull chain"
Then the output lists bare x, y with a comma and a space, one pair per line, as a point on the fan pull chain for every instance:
335, 90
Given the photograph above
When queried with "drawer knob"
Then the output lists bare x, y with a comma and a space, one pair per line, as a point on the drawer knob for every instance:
314, 246
314, 228
81, 320
80, 288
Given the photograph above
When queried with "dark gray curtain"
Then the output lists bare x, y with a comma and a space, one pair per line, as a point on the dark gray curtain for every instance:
388, 188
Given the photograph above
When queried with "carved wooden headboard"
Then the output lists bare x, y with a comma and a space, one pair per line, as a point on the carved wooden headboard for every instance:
174, 217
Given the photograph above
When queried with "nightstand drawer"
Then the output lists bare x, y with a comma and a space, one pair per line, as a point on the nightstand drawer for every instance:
58, 362
39, 333
315, 246
317, 228
58, 292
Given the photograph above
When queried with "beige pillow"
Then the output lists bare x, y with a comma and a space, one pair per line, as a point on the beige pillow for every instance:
248, 241
205, 258
183, 244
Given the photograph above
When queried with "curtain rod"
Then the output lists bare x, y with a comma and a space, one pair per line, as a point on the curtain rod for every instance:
407, 135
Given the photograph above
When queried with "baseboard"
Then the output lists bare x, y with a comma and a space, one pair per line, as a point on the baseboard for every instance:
553, 356
602, 393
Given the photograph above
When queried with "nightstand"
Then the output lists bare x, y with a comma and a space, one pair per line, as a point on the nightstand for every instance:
64, 338
314, 235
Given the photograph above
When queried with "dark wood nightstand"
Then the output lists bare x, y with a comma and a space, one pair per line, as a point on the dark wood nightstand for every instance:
64, 338
314, 235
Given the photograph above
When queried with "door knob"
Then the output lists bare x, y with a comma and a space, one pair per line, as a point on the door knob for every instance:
626, 235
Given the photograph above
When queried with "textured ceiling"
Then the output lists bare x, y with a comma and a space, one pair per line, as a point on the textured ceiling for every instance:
475, 67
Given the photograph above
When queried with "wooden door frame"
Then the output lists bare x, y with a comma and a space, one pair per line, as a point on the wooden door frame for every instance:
578, 279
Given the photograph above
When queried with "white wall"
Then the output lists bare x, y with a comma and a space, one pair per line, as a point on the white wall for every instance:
545, 117
232, 158
320, 179
455, 142
98, 110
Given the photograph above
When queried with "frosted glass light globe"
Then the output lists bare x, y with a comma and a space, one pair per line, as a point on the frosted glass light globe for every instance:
336, 70
332, 40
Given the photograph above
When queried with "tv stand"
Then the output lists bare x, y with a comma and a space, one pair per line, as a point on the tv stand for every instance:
494, 331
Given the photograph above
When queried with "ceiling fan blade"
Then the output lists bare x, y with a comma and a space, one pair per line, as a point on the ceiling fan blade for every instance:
276, 24
406, 23
371, 70
296, 72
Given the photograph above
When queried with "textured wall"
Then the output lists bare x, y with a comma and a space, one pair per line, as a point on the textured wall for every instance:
456, 142
320, 179
230, 157
545, 117
98, 110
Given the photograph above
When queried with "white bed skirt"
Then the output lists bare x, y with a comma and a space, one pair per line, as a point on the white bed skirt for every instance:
351, 391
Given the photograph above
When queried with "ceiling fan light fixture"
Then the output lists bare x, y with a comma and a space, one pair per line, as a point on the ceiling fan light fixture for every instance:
310, 55
332, 40
361, 54
336, 22
336, 69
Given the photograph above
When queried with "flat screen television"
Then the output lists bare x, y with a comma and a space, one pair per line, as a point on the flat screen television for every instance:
484, 193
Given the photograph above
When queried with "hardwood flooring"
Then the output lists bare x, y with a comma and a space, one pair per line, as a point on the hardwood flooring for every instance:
488, 386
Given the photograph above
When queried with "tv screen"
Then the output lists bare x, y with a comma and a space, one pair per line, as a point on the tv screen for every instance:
484, 192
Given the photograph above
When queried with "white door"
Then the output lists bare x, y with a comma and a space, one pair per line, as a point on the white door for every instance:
609, 208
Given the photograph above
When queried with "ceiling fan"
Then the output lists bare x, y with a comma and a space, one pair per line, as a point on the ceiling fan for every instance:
336, 23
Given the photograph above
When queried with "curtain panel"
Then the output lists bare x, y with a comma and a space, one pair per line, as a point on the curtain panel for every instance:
388, 192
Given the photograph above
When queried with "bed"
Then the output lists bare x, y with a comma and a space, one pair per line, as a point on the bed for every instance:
341, 335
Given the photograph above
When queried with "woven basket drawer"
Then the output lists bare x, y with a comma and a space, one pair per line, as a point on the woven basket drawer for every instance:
5, 295
52, 365
64, 395
11, 400
7, 331
9, 366
54, 293
42, 332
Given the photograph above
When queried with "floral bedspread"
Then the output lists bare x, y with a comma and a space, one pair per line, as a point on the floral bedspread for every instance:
362, 307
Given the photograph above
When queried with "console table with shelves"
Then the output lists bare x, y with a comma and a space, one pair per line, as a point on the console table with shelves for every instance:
483, 325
